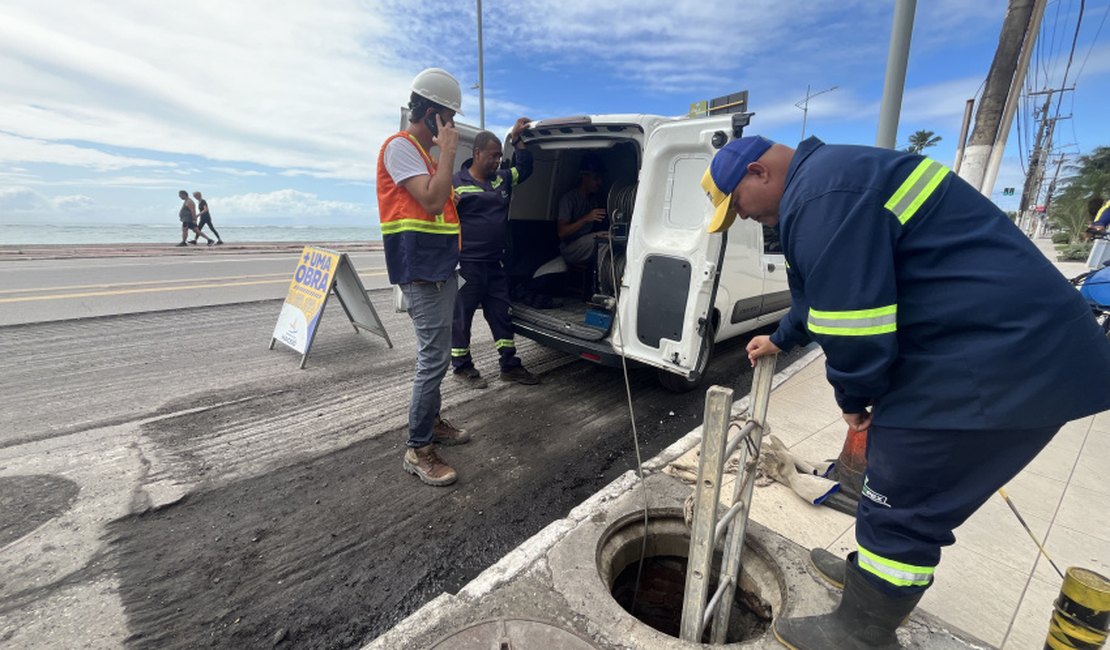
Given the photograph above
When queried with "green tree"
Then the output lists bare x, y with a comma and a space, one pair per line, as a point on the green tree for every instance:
1082, 192
922, 140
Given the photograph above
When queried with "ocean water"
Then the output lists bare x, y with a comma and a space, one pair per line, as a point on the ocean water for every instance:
116, 233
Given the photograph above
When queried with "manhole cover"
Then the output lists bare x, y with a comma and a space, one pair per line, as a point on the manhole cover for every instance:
27, 502
513, 634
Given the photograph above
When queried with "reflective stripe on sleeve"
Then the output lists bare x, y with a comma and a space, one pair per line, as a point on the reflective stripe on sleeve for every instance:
916, 189
467, 189
896, 573
516, 176
858, 322
438, 227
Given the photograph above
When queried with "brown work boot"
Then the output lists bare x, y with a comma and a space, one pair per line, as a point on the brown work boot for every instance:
446, 434
426, 464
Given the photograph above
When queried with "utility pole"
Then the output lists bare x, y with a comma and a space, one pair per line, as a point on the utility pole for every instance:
895, 82
1015, 37
804, 105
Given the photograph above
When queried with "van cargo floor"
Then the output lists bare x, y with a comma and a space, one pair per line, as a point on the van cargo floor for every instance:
570, 319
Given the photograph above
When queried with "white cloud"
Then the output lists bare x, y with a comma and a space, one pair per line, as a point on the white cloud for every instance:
16, 149
71, 201
234, 171
290, 203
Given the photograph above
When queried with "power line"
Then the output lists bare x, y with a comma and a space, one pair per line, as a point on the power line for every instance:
1093, 42
1071, 55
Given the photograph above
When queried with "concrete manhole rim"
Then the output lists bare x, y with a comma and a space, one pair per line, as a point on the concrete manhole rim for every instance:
634, 519
502, 621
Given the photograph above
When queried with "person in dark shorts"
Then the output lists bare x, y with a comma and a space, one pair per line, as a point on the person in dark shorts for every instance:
188, 216
204, 218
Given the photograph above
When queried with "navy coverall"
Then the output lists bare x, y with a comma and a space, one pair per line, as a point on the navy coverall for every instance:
484, 217
934, 309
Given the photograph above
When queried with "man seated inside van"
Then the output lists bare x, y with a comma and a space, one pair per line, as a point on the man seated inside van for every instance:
582, 216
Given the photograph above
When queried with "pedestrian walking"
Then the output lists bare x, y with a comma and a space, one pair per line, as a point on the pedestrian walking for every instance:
420, 230
484, 191
188, 216
947, 335
205, 218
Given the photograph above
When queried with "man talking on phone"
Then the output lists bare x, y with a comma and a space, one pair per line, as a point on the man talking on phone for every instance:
420, 230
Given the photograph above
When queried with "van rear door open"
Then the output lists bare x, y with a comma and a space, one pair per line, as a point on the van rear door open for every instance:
673, 263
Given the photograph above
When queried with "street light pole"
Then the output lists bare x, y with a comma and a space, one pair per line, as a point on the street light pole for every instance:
481, 73
897, 59
804, 105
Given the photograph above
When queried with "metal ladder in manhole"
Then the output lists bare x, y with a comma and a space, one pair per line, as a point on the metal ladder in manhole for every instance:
716, 448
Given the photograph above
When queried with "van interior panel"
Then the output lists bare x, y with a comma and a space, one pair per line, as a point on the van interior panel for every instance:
662, 301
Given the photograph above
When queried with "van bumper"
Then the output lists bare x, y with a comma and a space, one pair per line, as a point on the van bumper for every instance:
599, 352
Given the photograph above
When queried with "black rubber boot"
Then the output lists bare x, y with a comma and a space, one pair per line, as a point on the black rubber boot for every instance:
865, 619
830, 567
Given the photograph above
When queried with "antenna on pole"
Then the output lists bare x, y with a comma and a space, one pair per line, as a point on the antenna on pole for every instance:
804, 105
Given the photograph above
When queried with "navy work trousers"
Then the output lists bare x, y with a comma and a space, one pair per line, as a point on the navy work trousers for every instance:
486, 284
920, 485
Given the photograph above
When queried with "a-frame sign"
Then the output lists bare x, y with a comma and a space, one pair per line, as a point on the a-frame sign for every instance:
321, 272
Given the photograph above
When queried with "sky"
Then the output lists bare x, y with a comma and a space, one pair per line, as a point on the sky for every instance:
276, 110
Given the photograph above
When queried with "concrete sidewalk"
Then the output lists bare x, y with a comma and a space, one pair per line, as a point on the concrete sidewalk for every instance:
992, 583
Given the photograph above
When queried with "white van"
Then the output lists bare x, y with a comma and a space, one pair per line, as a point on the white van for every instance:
682, 289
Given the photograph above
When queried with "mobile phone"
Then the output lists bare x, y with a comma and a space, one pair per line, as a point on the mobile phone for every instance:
430, 122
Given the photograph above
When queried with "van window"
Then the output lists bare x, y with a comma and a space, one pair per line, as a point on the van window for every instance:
685, 204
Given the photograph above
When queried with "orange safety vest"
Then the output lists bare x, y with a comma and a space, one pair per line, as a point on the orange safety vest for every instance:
400, 212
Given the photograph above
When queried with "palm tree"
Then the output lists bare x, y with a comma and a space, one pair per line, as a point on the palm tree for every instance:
1083, 192
922, 140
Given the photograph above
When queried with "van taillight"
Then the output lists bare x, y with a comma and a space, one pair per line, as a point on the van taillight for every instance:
596, 358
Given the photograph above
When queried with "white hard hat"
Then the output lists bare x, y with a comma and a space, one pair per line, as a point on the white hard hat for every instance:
439, 86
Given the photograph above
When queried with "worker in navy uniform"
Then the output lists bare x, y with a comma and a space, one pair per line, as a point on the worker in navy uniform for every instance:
483, 192
947, 335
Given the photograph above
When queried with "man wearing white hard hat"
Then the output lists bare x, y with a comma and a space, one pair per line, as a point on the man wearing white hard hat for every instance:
420, 230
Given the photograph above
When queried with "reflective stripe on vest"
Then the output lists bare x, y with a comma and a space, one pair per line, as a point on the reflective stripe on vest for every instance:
916, 189
857, 322
896, 573
419, 225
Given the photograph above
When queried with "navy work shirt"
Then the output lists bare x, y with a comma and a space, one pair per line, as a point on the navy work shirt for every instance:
928, 302
484, 208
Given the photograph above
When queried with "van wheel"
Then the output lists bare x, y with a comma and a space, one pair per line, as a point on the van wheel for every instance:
678, 383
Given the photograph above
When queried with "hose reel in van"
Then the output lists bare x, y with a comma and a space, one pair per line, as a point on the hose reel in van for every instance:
619, 205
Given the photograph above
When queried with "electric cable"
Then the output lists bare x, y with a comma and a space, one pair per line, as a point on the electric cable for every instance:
1093, 42
619, 335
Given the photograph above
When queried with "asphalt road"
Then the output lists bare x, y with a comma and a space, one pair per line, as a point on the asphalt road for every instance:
33, 291
166, 481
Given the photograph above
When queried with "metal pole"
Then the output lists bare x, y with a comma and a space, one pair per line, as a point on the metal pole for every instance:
897, 59
805, 113
962, 142
804, 105
995, 161
481, 73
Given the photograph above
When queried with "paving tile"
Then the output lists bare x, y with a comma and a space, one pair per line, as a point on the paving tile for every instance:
844, 544
994, 532
1085, 511
793, 422
1072, 435
1054, 462
778, 508
975, 593
1031, 625
815, 393
822, 445
1069, 547
1101, 422
1034, 495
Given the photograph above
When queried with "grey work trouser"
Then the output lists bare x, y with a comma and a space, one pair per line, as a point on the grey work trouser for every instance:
431, 307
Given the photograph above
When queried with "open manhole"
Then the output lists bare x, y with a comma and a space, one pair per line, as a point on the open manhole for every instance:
662, 579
